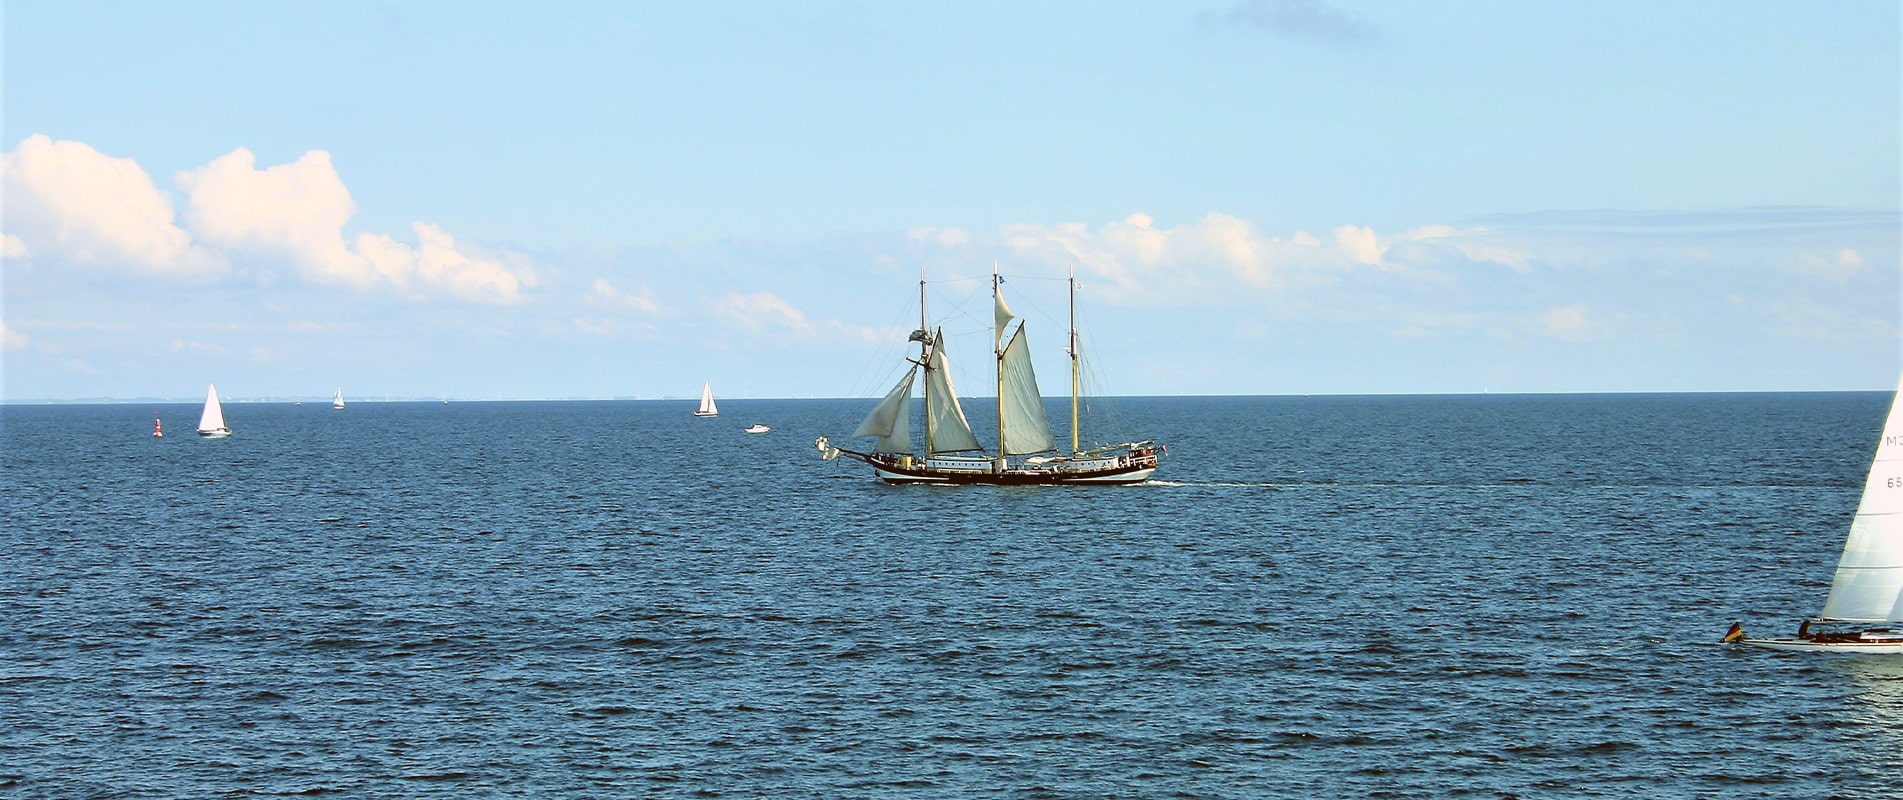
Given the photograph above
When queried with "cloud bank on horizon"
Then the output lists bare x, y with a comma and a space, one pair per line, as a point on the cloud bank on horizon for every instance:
72, 209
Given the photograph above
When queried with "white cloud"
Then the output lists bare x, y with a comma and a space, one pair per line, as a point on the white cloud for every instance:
761, 312
1361, 244
1566, 322
1837, 267
604, 293
66, 200
297, 211
1227, 252
11, 339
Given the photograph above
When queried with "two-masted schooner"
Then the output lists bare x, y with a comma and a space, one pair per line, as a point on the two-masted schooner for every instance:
1026, 453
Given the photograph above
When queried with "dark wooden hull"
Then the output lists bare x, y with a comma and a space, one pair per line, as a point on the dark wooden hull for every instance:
1130, 470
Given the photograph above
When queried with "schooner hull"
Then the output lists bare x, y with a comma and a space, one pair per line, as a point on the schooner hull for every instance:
1135, 472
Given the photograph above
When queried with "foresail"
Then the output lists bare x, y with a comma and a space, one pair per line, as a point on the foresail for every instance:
1021, 408
1869, 583
891, 419
947, 429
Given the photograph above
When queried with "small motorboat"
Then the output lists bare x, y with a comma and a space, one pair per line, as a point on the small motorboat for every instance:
758, 428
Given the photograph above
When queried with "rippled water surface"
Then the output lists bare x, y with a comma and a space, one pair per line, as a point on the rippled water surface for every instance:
1484, 596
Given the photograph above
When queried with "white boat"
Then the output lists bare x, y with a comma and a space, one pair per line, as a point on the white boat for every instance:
707, 407
211, 423
951, 454
337, 402
1864, 611
757, 428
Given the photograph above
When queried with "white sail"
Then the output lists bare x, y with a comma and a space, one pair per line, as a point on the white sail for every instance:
212, 420
947, 429
1021, 409
707, 407
891, 419
1869, 582
337, 402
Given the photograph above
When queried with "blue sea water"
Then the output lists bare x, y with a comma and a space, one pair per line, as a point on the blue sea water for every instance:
1476, 596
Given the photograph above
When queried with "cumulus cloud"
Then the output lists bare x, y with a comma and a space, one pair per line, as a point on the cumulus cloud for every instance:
761, 312
66, 200
1835, 266
1567, 322
606, 294
296, 211
11, 339
1218, 250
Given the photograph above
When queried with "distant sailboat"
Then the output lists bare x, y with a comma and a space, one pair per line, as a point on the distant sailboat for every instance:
1864, 610
337, 402
707, 407
947, 455
211, 423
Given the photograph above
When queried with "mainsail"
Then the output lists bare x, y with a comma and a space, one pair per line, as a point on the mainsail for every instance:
1869, 582
1021, 419
947, 431
213, 418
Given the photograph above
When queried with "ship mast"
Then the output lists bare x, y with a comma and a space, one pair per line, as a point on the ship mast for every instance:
998, 349
1071, 279
924, 359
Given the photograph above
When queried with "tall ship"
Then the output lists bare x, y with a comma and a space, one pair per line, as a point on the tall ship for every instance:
1027, 453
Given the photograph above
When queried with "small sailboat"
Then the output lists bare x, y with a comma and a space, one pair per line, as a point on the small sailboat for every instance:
757, 428
337, 402
211, 423
158, 429
707, 407
1864, 611
952, 455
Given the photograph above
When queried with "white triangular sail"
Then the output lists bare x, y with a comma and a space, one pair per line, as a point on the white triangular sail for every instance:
338, 400
1869, 582
891, 419
946, 429
707, 407
1000, 313
213, 418
1021, 418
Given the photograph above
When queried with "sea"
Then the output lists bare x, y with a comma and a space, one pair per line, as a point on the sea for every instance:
1481, 596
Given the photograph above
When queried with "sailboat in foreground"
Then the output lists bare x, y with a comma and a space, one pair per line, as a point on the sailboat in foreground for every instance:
707, 407
211, 423
952, 455
1864, 611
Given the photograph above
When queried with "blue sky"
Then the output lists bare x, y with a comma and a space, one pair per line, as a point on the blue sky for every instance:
1259, 196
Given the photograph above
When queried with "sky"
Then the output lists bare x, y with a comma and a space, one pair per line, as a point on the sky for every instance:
411, 199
